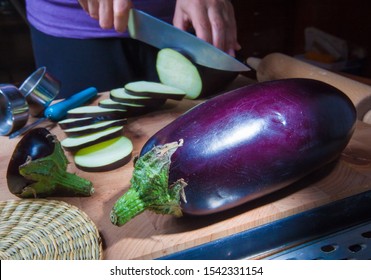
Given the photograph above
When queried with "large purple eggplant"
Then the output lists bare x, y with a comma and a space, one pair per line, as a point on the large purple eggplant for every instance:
237, 147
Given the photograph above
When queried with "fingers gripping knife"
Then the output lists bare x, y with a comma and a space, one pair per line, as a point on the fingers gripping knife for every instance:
58, 111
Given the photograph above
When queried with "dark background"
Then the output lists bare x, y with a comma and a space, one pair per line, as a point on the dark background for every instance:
264, 26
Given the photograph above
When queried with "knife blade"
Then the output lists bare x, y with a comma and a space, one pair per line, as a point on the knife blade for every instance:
58, 111
160, 34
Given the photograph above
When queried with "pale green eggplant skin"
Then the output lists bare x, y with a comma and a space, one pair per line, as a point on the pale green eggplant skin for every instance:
255, 140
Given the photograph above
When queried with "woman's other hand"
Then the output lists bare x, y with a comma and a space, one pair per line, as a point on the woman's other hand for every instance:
213, 21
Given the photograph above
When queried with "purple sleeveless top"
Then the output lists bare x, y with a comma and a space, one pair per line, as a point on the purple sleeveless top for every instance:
66, 18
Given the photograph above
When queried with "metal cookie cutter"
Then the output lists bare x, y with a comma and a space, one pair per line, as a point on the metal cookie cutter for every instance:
14, 110
40, 89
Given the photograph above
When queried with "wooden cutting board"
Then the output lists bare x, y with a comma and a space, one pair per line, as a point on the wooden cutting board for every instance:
150, 236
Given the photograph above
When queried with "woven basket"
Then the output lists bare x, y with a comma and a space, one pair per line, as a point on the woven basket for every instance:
40, 229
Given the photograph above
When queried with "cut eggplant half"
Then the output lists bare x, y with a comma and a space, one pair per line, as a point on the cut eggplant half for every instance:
95, 127
154, 90
73, 144
96, 111
177, 70
104, 156
121, 95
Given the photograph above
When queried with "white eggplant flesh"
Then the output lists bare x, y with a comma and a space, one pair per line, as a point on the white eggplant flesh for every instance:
104, 156
177, 70
174, 69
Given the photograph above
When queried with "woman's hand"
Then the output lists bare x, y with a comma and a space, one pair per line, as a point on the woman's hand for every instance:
109, 13
213, 21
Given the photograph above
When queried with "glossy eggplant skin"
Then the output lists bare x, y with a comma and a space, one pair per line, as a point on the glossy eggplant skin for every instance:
35, 144
38, 168
255, 140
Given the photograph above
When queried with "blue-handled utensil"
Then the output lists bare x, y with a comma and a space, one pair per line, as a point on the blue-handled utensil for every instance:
58, 111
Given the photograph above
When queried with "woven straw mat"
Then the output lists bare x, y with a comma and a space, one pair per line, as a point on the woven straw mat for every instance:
40, 229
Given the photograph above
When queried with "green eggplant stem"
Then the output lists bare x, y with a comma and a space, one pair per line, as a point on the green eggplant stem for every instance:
50, 177
149, 187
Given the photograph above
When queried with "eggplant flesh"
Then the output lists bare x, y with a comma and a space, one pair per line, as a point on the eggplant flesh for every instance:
255, 140
176, 69
104, 156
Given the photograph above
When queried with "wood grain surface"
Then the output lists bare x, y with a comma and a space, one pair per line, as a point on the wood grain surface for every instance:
150, 235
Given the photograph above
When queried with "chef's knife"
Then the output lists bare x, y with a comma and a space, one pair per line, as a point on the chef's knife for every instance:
160, 34
58, 111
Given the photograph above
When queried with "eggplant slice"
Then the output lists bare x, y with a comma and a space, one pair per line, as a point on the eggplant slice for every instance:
177, 70
73, 144
121, 95
77, 122
95, 127
96, 111
104, 156
132, 108
154, 90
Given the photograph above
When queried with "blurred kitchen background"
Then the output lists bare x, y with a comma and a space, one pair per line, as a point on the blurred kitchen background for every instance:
334, 34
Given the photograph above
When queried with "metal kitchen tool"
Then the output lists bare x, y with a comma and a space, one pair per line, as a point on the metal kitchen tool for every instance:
13, 109
338, 230
40, 89
160, 34
350, 243
59, 110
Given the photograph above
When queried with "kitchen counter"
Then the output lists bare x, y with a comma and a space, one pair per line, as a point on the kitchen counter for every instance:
150, 236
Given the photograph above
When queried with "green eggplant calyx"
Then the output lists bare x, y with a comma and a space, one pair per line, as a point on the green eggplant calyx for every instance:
149, 189
49, 177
